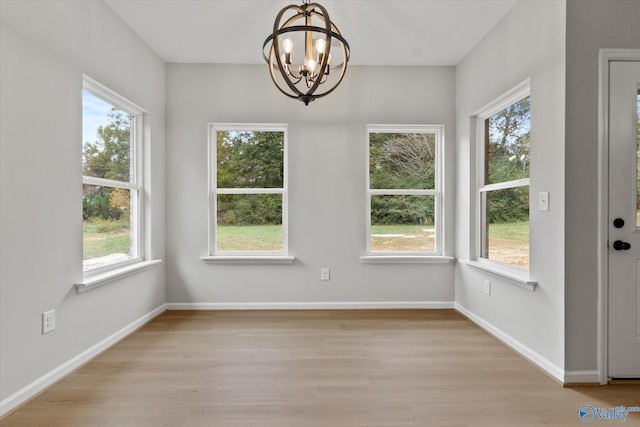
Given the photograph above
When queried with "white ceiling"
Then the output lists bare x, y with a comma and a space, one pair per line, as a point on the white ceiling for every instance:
380, 32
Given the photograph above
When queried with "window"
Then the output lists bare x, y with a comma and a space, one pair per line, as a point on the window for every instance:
503, 190
404, 193
248, 190
112, 184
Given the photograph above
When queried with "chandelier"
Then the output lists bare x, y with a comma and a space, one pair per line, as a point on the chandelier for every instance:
299, 52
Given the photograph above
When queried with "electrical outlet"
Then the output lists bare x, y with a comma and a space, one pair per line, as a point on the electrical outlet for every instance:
324, 274
487, 287
48, 321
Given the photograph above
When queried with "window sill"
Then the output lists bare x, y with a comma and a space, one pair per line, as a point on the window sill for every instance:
515, 275
248, 259
405, 259
102, 279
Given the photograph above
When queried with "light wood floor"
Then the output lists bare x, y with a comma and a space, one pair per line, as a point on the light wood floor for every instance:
314, 368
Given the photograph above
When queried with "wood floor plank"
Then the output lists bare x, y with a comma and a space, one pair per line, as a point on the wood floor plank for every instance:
369, 368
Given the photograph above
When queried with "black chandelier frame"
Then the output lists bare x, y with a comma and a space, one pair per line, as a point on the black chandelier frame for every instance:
312, 80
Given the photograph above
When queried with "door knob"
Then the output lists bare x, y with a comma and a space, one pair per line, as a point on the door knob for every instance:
618, 223
619, 245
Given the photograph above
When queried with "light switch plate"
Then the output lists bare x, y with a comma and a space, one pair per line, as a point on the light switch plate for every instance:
543, 201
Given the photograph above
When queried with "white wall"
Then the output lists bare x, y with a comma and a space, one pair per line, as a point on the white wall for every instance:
45, 47
327, 158
591, 25
529, 43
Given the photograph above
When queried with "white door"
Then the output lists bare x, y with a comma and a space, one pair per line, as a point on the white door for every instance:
624, 220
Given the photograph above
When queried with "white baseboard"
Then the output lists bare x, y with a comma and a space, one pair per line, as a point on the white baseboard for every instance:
29, 391
529, 354
581, 377
309, 305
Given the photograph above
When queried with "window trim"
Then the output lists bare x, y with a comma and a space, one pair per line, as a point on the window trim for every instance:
123, 270
135, 184
515, 273
437, 256
245, 257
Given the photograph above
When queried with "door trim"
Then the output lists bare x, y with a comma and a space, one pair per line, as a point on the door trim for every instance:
605, 57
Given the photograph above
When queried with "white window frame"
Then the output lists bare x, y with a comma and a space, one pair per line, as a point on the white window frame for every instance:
435, 256
107, 273
517, 274
245, 257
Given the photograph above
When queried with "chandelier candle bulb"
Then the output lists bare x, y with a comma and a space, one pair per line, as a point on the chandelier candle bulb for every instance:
287, 45
311, 65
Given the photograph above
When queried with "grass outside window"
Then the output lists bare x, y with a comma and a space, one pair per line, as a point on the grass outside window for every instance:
102, 239
249, 238
509, 243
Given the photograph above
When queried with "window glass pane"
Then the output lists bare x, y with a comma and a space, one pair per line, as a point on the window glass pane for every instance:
106, 136
249, 222
507, 228
106, 226
402, 160
402, 223
638, 163
248, 159
507, 143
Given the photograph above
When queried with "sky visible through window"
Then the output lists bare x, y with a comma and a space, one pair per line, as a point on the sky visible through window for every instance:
94, 114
